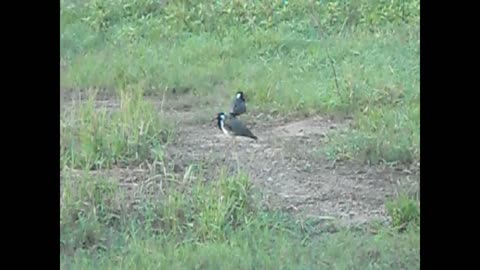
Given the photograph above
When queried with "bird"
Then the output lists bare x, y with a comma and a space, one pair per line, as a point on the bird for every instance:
230, 125
238, 105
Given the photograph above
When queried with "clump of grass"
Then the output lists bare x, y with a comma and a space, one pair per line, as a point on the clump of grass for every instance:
92, 207
90, 211
95, 137
404, 211
205, 212
380, 135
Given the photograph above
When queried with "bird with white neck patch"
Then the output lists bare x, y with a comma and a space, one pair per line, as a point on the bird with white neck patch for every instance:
230, 125
238, 105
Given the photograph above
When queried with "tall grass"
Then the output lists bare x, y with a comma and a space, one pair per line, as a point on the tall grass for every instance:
96, 138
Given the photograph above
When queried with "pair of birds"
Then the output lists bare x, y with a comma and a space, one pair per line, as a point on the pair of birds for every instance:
229, 124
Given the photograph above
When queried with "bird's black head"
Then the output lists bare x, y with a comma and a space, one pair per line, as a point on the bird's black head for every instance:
240, 95
220, 118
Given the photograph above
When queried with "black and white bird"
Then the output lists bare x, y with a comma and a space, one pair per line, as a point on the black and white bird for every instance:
238, 105
230, 125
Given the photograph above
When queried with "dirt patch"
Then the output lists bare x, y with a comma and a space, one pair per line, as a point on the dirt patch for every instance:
285, 164
305, 128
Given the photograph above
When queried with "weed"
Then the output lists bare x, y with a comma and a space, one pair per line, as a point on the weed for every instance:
404, 211
95, 138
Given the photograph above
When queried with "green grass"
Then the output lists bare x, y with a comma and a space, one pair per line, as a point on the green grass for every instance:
96, 138
359, 58
259, 250
308, 64
193, 224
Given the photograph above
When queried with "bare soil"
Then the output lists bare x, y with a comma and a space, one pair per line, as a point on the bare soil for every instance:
287, 166
285, 163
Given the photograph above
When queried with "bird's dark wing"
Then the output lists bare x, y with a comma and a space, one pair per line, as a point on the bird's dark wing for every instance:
241, 107
239, 129
238, 107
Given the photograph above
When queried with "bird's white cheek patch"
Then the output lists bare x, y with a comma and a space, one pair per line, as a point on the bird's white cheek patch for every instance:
238, 95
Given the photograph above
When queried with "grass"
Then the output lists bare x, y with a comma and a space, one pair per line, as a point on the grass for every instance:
96, 138
357, 58
193, 224
371, 75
